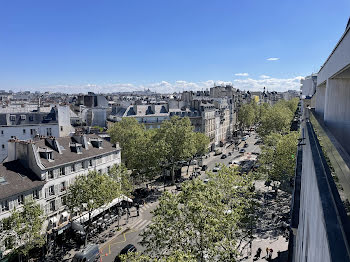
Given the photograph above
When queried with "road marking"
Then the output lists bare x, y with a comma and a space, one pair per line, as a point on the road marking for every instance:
140, 225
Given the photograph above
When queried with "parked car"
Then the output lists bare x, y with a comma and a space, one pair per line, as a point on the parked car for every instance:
216, 169
255, 153
223, 156
178, 187
242, 150
229, 153
204, 167
245, 145
258, 142
127, 249
218, 152
89, 254
244, 138
206, 180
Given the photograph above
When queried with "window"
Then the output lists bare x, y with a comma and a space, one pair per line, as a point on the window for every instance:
50, 174
52, 205
35, 194
30, 118
20, 200
48, 132
61, 128
2, 132
24, 131
12, 118
3, 146
51, 190
62, 171
72, 168
82, 165
63, 186
90, 162
49, 156
4, 206
32, 132
23, 117
64, 200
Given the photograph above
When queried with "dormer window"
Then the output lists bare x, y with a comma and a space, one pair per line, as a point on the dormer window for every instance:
96, 142
23, 117
76, 147
49, 156
30, 118
12, 117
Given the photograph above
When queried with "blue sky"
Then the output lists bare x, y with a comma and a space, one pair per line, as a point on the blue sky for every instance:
165, 45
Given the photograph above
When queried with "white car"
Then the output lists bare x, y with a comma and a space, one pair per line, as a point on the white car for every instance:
206, 180
216, 169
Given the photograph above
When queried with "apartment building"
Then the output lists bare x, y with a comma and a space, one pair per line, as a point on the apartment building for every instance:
42, 169
26, 125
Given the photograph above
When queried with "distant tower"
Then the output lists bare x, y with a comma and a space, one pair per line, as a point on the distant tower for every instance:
264, 89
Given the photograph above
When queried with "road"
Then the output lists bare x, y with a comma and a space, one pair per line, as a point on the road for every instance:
112, 248
236, 156
137, 225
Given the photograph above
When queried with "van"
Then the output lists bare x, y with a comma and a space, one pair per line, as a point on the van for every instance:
91, 253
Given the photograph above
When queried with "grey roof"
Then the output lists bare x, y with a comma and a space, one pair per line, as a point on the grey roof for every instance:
18, 179
69, 155
32, 118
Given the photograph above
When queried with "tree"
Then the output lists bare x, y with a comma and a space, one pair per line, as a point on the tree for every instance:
140, 152
246, 115
276, 120
89, 192
121, 174
277, 159
175, 142
128, 133
23, 228
203, 220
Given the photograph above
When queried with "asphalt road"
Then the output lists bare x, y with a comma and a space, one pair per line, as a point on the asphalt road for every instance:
236, 156
137, 225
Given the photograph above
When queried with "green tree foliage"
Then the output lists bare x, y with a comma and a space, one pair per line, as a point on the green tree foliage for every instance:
246, 115
121, 174
89, 192
175, 141
24, 227
203, 220
277, 159
145, 152
201, 143
276, 120
139, 151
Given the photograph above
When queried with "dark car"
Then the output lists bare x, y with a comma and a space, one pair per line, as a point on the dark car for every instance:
204, 167
91, 253
242, 150
246, 145
127, 249
223, 156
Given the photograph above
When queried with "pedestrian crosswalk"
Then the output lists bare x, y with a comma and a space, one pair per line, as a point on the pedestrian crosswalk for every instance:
147, 206
140, 224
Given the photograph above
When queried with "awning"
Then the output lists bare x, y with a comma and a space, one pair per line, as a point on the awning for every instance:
65, 214
98, 211
53, 220
77, 226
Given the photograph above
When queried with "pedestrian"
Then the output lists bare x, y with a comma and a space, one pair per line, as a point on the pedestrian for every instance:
270, 253
258, 253
137, 209
267, 252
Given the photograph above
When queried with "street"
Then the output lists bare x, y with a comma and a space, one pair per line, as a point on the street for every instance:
137, 225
